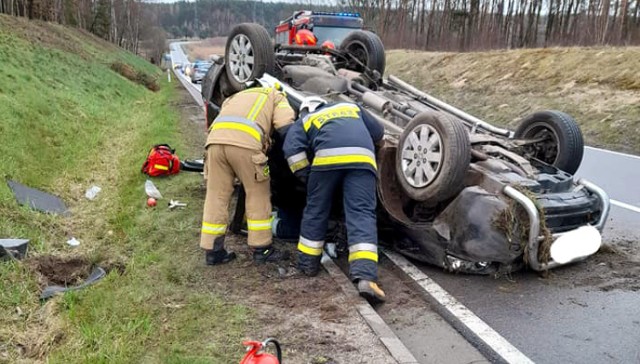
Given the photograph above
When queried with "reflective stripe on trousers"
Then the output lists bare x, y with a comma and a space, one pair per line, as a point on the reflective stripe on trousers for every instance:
258, 225
311, 247
359, 190
238, 123
345, 155
213, 229
363, 251
298, 161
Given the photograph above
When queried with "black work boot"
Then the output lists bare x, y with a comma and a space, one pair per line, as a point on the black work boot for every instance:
215, 257
370, 291
308, 264
269, 254
218, 255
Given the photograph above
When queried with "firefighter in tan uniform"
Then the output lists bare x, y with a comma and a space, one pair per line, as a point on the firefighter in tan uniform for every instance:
238, 140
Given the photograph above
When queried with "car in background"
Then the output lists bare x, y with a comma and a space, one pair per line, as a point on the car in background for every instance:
199, 71
188, 69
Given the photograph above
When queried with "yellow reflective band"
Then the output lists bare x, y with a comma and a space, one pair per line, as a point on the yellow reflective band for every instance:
298, 165
161, 167
260, 90
283, 105
213, 229
310, 251
344, 159
236, 126
257, 225
363, 255
257, 107
320, 118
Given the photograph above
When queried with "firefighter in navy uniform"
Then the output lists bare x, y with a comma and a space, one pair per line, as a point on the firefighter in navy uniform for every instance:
238, 140
331, 147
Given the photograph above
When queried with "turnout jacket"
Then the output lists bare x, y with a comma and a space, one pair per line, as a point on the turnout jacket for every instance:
335, 136
248, 118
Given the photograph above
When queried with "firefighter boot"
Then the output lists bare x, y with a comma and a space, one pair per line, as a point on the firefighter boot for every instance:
308, 264
370, 291
218, 255
269, 254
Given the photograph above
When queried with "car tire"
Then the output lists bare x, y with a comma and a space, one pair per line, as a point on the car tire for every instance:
564, 145
248, 43
367, 48
448, 154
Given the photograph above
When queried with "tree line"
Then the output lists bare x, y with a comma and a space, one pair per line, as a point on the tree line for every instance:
462, 25
450, 25
130, 24
212, 18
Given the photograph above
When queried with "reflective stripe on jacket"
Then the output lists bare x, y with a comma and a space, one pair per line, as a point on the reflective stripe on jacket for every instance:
336, 136
248, 118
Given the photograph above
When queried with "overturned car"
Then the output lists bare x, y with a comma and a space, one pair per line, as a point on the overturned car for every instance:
453, 190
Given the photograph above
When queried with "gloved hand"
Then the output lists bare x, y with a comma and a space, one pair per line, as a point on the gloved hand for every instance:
330, 249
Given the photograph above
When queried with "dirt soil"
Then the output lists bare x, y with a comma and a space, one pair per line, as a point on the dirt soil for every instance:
311, 317
615, 267
61, 271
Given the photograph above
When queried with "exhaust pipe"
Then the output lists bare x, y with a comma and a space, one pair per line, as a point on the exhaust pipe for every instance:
428, 99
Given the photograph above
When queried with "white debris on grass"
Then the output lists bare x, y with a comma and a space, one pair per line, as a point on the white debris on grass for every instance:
92, 192
151, 190
73, 242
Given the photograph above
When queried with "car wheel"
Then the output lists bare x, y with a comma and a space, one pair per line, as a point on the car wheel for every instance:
249, 54
560, 141
433, 157
367, 48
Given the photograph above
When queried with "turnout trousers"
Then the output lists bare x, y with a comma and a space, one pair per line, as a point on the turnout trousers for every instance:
359, 199
223, 164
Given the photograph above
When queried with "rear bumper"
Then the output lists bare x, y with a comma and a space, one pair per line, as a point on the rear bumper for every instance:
534, 225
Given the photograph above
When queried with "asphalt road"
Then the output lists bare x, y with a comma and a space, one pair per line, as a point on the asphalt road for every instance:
178, 56
562, 318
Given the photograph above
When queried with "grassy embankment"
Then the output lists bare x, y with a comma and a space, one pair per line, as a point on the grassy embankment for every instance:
599, 87
67, 121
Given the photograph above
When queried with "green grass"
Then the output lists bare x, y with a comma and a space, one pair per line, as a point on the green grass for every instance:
68, 122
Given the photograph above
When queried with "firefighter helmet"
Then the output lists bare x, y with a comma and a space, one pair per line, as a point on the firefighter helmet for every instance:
328, 44
305, 37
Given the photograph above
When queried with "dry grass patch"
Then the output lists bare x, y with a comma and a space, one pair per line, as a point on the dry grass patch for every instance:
599, 87
140, 77
206, 48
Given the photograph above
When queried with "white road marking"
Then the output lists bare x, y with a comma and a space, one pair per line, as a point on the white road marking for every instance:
498, 344
613, 152
625, 206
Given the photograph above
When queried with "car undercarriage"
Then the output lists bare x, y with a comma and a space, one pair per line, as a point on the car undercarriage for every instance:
453, 190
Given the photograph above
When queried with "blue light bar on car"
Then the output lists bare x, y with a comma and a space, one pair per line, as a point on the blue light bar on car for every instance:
347, 15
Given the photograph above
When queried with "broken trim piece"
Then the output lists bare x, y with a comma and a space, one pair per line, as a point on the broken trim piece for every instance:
51, 291
13, 248
38, 200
